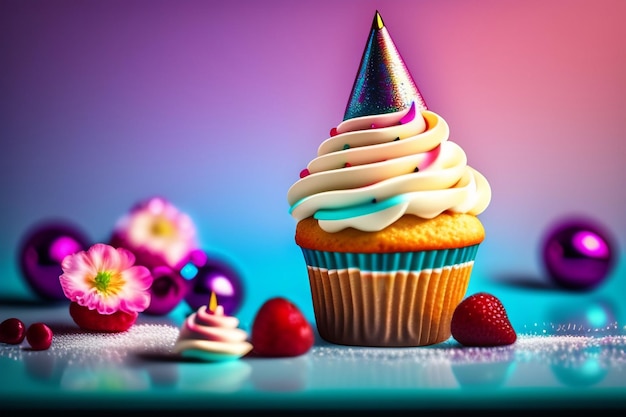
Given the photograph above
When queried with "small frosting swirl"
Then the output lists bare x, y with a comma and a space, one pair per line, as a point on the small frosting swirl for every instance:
212, 336
378, 168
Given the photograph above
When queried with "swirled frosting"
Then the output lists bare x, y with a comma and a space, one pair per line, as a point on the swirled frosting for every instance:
374, 169
211, 336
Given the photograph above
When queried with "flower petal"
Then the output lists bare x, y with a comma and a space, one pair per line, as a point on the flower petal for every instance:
104, 257
136, 295
141, 231
78, 269
126, 259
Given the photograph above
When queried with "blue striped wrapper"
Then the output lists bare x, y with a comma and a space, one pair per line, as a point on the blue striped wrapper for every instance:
388, 262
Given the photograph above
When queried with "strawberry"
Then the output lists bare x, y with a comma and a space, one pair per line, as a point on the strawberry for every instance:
281, 330
481, 320
109, 323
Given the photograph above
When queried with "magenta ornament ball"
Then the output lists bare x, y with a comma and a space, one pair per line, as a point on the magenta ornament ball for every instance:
167, 290
578, 253
41, 252
210, 274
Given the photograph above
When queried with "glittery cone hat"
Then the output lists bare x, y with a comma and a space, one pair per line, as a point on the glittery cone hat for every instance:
383, 83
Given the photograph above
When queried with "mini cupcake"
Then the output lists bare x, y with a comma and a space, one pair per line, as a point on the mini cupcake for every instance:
209, 335
387, 213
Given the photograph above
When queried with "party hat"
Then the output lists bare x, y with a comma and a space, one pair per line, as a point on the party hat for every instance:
383, 83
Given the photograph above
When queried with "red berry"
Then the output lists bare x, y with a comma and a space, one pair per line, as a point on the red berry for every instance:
281, 330
39, 336
12, 331
109, 323
481, 320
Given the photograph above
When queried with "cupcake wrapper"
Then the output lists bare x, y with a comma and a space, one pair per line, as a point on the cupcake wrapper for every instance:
390, 262
396, 299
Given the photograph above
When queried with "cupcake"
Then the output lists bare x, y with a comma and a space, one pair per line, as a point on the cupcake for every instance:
386, 214
210, 335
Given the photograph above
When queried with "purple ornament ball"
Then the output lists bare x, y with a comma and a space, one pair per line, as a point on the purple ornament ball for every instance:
578, 253
207, 274
167, 290
41, 252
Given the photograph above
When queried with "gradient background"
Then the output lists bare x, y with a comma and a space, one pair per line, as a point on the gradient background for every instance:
218, 106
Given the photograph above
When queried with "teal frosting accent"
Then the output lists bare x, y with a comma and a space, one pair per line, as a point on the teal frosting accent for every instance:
209, 356
358, 210
387, 262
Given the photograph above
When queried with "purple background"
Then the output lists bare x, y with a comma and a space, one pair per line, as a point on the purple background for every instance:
219, 105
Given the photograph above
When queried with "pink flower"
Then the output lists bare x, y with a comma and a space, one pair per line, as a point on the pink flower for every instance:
157, 232
105, 279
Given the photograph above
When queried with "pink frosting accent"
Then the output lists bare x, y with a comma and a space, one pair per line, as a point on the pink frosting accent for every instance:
217, 318
430, 157
376, 121
212, 326
409, 116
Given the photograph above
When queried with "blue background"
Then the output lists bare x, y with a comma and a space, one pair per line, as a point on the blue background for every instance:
219, 105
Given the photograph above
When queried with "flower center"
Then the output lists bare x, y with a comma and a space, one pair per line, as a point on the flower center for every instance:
107, 282
162, 227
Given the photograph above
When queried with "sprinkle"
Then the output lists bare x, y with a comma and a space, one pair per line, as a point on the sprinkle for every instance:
416, 169
373, 126
74, 345
374, 201
333, 132
396, 139
346, 146
606, 347
305, 172
347, 165
609, 351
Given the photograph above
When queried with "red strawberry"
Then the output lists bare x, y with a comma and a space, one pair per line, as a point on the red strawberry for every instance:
92, 320
481, 320
280, 329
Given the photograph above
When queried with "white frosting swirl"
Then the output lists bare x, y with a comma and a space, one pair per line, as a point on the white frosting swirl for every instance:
378, 168
212, 335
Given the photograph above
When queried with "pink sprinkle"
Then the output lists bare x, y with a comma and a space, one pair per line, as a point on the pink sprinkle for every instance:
347, 164
304, 173
409, 116
333, 132
373, 126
